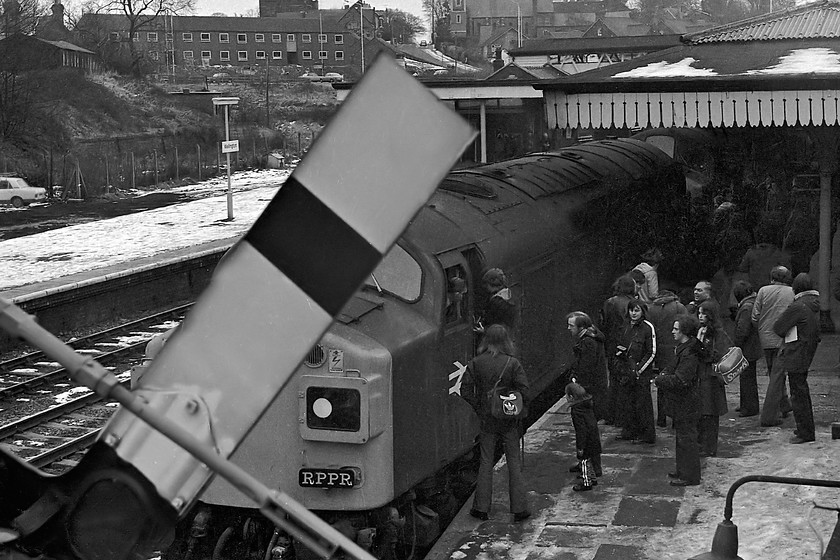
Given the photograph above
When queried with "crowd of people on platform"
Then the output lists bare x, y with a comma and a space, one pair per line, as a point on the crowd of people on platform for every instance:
650, 343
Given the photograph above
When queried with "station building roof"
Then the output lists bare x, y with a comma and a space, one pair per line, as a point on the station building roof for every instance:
781, 68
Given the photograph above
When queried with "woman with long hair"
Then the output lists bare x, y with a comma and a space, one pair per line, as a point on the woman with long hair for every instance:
493, 365
713, 405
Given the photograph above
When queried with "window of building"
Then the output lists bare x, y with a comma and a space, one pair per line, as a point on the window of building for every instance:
290, 37
224, 55
187, 37
224, 38
188, 55
322, 38
115, 36
259, 37
457, 18
323, 55
260, 55
205, 37
241, 37
170, 37
154, 55
206, 54
339, 55
276, 37
241, 55
277, 55
339, 39
135, 37
151, 37
306, 55
306, 38
459, 4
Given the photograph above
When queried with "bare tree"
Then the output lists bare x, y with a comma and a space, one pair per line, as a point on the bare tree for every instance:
140, 15
20, 16
401, 27
438, 13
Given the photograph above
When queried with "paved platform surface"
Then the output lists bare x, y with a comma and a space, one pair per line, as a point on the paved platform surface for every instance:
634, 513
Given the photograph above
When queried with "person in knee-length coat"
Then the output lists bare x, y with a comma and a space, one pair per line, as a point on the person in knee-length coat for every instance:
680, 381
716, 344
746, 338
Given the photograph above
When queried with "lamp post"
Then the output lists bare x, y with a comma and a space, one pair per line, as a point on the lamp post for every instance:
725, 541
228, 145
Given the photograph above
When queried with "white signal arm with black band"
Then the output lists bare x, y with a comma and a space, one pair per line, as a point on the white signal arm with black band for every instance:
270, 300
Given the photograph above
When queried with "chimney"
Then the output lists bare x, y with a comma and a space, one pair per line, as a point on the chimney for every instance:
58, 13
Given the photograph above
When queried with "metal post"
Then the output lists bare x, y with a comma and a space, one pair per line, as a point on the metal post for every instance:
107, 172
826, 324
198, 160
362, 32
483, 129
133, 178
156, 168
227, 138
177, 166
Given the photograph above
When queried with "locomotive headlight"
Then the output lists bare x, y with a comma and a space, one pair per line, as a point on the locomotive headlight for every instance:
333, 409
341, 409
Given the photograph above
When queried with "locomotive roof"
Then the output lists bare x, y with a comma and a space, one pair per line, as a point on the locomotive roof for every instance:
479, 203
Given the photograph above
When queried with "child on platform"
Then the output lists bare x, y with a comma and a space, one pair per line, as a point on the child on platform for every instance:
587, 438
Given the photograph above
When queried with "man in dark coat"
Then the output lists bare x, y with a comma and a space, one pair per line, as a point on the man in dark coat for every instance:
662, 313
501, 308
681, 383
589, 368
746, 338
613, 322
800, 331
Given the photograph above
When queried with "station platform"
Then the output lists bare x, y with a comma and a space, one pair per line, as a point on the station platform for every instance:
634, 513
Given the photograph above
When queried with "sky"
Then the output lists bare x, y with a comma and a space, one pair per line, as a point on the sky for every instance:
92, 245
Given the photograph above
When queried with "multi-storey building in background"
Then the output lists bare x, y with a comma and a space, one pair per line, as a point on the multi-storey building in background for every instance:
327, 40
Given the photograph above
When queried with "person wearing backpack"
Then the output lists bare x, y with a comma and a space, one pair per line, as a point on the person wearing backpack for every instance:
496, 366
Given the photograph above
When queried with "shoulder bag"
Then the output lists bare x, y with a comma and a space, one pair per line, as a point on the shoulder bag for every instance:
731, 365
505, 403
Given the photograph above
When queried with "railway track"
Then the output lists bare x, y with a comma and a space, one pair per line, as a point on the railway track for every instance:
48, 421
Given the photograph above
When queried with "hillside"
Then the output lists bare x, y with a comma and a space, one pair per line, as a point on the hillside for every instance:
112, 130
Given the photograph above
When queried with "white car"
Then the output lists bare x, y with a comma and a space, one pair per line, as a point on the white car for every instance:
18, 193
333, 77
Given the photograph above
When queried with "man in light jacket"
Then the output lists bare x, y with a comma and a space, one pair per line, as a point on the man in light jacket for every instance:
770, 302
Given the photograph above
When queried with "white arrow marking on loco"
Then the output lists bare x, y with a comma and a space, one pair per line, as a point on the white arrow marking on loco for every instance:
459, 373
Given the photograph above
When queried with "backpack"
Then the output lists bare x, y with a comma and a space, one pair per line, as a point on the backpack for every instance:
505, 403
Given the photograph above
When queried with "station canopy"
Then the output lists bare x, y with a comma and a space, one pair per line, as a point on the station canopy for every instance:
778, 69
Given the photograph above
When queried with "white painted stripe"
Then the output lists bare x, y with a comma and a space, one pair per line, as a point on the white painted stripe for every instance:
375, 169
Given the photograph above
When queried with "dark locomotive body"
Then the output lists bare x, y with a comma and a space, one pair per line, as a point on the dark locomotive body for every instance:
371, 431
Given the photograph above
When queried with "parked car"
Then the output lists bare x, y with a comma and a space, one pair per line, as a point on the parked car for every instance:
333, 77
17, 192
311, 76
221, 78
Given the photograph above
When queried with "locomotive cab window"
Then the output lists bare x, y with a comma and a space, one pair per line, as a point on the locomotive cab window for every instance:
456, 295
398, 274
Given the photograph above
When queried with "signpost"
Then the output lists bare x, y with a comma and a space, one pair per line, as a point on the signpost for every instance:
228, 145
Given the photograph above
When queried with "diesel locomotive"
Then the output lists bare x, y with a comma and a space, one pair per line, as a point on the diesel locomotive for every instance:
371, 432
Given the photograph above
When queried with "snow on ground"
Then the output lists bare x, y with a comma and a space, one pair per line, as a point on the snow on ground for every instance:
79, 248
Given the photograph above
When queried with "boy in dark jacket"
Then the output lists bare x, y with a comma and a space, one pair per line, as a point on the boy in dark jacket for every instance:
587, 438
799, 328
589, 368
